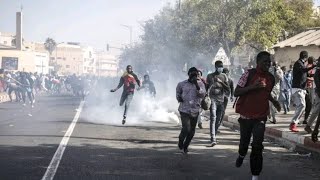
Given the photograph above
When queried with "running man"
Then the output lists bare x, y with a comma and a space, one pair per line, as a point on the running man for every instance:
128, 81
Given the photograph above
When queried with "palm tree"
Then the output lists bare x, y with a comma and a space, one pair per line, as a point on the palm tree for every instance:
50, 45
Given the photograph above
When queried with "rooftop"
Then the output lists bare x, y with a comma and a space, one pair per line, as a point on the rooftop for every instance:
306, 38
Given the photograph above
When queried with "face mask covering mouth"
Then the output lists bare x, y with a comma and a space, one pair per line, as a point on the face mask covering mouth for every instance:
219, 69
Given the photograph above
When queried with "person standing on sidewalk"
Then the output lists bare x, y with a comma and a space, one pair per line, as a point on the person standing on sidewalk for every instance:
298, 88
254, 87
128, 81
285, 95
309, 89
217, 86
316, 105
189, 94
278, 75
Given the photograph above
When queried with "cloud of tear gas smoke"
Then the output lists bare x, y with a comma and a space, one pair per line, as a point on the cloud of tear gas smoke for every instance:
102, 106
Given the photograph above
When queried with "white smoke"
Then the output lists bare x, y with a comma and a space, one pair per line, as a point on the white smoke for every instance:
102, 106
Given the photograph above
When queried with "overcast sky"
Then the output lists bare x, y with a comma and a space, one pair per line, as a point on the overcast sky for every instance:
92, 22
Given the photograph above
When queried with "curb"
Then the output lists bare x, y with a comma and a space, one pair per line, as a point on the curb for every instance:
290, 140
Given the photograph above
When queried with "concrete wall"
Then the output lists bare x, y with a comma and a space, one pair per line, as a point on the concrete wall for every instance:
27, 60
288, 55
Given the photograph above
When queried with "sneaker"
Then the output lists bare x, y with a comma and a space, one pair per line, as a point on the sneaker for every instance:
213, 143
304, 122
200, 125
274, 121
24, 104
239, 161
293, 127
308, 129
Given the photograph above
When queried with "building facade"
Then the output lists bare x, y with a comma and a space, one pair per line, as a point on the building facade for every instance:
26, 61
287, 51
107, 65
71, 58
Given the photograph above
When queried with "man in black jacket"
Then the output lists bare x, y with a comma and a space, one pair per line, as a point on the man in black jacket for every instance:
298, 88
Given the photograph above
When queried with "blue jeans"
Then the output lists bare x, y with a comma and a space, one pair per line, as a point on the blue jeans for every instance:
216, 112
126, 99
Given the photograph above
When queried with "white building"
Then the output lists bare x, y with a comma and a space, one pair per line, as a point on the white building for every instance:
107, 65
6, 39
41, 62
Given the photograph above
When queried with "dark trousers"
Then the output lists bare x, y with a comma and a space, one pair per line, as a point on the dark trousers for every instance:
309, 100
255, 128
126, 99
188, 129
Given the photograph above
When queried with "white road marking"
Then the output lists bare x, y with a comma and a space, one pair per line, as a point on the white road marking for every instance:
54, 164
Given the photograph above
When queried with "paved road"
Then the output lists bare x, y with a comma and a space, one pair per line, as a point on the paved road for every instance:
97, 151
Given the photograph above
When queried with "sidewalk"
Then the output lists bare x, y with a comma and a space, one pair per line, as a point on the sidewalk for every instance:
279, 132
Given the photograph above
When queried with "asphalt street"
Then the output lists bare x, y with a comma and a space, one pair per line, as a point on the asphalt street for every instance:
29, 139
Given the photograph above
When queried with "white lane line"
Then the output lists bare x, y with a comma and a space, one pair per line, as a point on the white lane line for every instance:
54, 164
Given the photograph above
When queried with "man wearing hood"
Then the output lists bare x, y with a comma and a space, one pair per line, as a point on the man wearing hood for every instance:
128, 80
148, 86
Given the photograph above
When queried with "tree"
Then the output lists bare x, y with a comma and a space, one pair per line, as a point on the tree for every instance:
197, 28
50, 45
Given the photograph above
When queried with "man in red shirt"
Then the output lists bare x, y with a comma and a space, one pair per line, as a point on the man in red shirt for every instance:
128, 80
254, 92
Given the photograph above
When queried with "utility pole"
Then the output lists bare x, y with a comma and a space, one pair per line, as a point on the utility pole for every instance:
130, 29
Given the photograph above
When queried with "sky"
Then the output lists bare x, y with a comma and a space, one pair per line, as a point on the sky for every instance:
91, 22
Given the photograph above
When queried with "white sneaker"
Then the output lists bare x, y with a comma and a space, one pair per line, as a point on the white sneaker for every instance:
255, 177
24, 104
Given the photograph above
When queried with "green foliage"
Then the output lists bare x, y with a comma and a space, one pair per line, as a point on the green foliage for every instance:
200, 27
50, 45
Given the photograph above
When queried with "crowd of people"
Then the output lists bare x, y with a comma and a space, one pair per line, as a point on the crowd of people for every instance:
25, 85
260, 93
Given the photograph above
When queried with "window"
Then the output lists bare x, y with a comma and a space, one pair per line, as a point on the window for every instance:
5, 42
64, 58
67, 66
52, 58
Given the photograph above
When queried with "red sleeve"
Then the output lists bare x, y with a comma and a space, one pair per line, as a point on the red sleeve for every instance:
243, 79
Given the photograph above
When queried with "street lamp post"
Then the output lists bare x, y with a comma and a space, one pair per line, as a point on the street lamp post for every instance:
130, 29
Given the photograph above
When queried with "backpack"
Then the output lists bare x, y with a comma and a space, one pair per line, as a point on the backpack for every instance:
252, 72
206, 101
